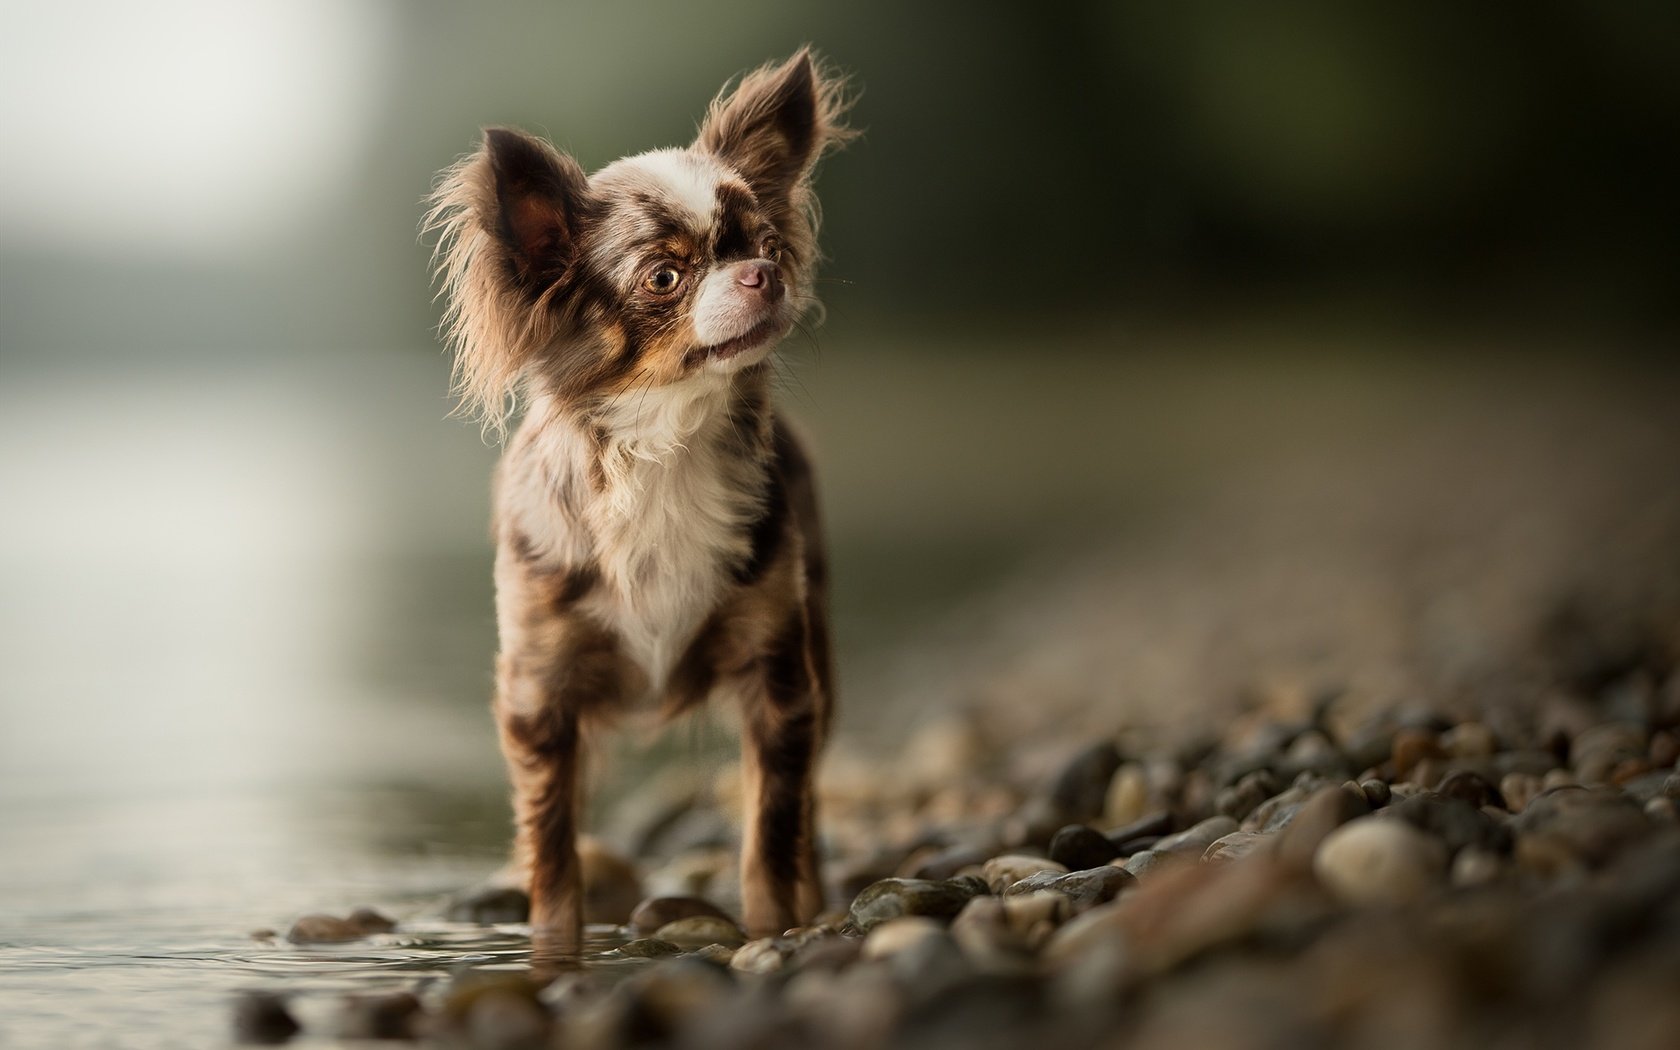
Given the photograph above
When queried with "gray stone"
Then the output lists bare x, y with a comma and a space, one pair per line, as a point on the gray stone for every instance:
892, 898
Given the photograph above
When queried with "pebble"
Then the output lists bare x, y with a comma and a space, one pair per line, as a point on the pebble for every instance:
1001, 931
1077, 847
765, 955
1236, 845
1577, 826
1240, 799
1412, 746
320, 928
1080, 790
1518, 790
1476, 867
647, 948
1127, 800
655, 912
1469, 740
1453, 821
1150, 863
897, 935
261, 1018
1376, 792
1471, 787
1083, 890
612, 887
1312, 752
1151, 826
1328, 809
499, 1010
1380, 860
699, 930
1001, 872
491, 906
892, 898
394, 1015
1198, 837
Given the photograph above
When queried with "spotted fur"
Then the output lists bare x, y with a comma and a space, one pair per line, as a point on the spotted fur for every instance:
655, 521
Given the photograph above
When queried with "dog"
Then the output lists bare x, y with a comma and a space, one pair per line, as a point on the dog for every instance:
655, 520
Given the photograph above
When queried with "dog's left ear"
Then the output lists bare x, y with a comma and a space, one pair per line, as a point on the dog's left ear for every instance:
776, 123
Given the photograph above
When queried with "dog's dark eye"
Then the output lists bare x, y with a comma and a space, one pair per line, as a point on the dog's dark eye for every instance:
771, 248
663, 279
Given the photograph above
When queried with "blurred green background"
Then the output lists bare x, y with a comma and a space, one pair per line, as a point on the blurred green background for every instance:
1085, 258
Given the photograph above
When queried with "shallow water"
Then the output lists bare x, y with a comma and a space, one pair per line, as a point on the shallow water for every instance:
245, 649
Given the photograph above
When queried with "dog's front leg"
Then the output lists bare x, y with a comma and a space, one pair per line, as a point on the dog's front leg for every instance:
785, 711
556, 667
543, 754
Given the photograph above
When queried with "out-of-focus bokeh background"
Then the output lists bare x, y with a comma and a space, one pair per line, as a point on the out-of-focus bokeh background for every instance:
1170, 348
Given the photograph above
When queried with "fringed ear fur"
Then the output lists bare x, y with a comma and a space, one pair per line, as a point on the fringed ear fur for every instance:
507, 219
777, 123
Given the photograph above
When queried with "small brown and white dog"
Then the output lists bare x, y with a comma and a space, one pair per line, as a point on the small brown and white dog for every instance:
655, 522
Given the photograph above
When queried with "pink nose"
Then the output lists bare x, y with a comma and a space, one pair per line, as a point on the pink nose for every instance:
763, 275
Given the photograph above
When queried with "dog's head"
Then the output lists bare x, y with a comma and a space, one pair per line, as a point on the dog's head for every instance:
657, 269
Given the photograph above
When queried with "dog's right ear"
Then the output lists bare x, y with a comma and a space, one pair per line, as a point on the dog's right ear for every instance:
507, 218
539, 196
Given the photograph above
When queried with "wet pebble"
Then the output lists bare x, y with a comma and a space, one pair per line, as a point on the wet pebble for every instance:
892, 898
647, 948
699, 930
490, 906
394, 1015
320, 928
262, 1019
655, 912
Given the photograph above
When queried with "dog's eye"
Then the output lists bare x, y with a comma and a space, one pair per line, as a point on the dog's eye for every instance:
771, 248
663, 279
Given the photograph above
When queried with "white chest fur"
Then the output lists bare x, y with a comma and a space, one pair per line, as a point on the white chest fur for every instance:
662, 519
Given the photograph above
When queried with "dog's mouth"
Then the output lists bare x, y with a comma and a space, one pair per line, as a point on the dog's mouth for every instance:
752, 338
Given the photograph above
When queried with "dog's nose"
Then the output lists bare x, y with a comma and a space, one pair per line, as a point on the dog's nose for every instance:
763, 275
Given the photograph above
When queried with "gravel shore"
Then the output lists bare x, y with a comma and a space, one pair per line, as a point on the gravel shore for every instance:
1342, 764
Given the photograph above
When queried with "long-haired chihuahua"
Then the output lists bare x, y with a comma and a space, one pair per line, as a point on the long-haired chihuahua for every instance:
655, 521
